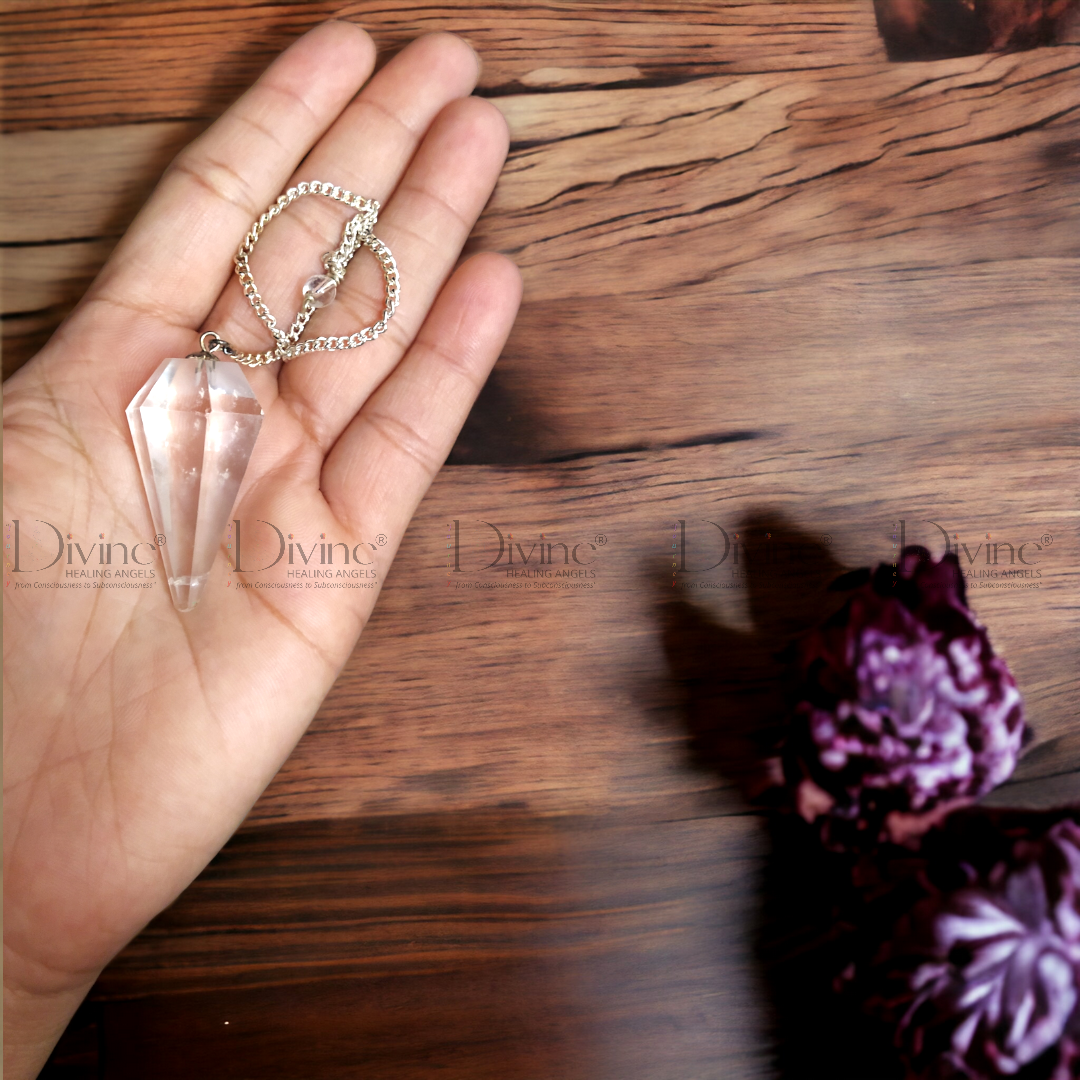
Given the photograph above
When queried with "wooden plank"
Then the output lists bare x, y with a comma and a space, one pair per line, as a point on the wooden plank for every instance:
745, 179
83, 184
42, 276
727, 135
72, 66
831, 359
478, 945
760, 178
569, 701
419, 894
25, 334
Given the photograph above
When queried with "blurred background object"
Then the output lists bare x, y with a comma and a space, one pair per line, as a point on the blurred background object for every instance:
935, 29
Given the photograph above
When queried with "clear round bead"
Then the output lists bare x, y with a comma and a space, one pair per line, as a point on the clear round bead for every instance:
321, 289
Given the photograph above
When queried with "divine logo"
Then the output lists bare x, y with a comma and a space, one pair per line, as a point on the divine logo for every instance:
297, 554
117, 553
108, 554
993, 549
529, 553
681, 549
711, 550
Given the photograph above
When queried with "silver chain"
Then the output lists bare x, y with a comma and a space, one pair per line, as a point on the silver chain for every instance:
358, 233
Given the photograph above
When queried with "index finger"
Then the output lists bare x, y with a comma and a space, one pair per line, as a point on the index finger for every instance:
177, 256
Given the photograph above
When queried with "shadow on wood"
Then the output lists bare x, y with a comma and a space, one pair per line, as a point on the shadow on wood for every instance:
501, 429
734, 707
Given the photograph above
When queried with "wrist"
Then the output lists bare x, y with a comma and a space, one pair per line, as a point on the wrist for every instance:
34, 1019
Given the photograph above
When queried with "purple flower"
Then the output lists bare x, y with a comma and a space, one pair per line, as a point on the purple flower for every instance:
904, 710
993, 968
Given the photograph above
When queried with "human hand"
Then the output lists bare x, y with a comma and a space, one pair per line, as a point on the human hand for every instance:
136, 738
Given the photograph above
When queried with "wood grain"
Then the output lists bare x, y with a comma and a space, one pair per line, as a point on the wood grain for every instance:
485, 945
37, 277
773, 281
752, 178
569, 701
70, 65
83, 184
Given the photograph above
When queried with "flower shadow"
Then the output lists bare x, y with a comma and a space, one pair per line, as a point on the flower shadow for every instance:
733, 701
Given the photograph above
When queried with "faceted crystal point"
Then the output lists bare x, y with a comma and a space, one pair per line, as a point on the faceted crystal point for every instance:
321, 289
194, 425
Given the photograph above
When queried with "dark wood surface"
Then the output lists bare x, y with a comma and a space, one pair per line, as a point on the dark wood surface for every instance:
774, 281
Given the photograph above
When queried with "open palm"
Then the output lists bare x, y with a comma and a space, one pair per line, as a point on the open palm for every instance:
136, 738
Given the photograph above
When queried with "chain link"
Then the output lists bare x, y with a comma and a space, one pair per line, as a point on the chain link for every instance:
358, 233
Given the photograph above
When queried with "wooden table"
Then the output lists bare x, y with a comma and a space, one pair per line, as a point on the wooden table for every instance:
774, 282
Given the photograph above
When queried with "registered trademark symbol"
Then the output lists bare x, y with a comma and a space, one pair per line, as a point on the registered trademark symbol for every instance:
380, 539
826, 539
159, 539
600, 539
1047, 539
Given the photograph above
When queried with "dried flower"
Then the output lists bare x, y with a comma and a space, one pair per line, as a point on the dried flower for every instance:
992, 969
904, 710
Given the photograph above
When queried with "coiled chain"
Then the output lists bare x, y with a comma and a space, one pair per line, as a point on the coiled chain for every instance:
358, 233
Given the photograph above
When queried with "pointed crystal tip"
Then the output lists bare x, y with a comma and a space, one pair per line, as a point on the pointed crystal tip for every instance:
186, 591
194, 425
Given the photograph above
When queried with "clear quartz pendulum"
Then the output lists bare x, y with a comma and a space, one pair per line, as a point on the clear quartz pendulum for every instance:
195, 422
194, 425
